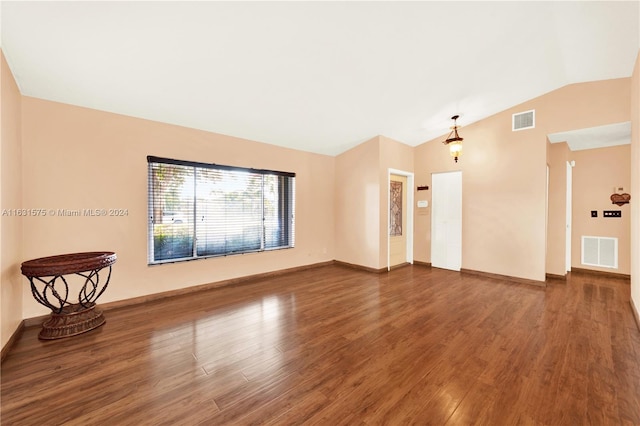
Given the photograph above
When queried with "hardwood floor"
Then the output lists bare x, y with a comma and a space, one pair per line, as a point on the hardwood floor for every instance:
334, 346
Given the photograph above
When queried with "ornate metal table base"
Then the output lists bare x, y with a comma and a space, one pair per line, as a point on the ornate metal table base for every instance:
75, 319
69, 319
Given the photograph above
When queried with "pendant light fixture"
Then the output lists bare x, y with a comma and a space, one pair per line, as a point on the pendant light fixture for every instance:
454, 141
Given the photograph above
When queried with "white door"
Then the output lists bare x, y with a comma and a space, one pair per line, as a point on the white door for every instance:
446, 220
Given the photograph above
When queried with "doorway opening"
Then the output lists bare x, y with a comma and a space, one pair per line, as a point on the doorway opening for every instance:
400, 222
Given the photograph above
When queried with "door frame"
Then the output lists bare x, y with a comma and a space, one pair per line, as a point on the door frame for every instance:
569, 211
409, 226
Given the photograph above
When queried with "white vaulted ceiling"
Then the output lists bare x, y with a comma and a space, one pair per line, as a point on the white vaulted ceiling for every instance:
315, 76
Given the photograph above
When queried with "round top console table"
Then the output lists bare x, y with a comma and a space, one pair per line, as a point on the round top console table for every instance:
50, 288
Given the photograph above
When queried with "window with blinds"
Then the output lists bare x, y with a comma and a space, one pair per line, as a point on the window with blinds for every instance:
201, 210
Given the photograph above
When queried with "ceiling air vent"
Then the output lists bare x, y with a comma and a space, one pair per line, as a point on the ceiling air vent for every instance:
524, 120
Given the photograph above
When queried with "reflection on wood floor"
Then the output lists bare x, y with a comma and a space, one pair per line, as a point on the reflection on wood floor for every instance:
332, 345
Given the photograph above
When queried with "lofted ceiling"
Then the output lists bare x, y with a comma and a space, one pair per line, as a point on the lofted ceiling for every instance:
315, 76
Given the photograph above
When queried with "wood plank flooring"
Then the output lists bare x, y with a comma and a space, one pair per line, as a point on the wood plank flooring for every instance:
334, 346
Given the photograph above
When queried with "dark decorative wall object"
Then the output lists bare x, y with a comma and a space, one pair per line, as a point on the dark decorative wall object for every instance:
395, 209
620, 199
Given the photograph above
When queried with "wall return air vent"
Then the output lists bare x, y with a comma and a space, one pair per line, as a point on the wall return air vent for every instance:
523, 120
600, 251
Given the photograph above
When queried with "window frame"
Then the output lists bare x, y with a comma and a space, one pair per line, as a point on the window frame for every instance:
288, 191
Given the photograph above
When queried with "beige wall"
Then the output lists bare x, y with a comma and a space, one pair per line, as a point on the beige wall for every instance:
357, 214
635, 185
503, 193
558, 155
596, 173
362, 191
77, 158
504, 177
11, 282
